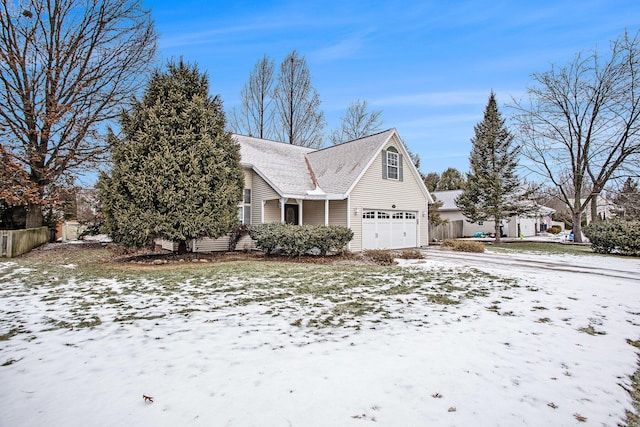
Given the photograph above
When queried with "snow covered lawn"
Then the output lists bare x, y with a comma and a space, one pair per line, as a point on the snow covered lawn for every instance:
429, 342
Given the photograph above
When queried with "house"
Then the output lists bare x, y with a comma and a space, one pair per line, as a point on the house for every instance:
515, 226
369, 185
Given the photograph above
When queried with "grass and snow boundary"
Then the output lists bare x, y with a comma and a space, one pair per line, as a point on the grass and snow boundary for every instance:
425, 343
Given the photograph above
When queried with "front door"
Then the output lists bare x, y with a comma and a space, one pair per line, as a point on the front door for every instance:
291, 214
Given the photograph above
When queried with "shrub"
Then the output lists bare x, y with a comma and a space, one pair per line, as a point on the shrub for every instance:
554, 229
298, 240
614, 236
411, 254
380, 256
468, 246
448, 243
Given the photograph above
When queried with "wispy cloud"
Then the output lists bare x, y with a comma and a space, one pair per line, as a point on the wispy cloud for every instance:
346, 48
435, 99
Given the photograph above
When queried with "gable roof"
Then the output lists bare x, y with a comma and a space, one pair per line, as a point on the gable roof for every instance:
301, 172
338, 168
282, 165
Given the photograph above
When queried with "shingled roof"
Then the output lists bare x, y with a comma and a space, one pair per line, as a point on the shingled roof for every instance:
337, 168
300, 172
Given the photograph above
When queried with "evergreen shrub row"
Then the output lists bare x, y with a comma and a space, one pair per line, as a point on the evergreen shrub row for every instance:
297, 240
614, 236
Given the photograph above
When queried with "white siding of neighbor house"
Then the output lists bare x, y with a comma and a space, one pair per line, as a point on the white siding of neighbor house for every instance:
374, 192
527, 225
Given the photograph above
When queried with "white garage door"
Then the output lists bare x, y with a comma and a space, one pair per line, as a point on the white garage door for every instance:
389, 229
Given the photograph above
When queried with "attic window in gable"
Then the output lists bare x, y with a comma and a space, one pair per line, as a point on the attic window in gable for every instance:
391, 164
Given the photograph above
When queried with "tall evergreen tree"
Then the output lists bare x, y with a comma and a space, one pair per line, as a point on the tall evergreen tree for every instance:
492, 191
451, 179
628, 200
176, 172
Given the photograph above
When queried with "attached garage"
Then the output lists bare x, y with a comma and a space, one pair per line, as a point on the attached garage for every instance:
383, 229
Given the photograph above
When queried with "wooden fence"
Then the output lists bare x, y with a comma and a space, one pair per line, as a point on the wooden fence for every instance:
18, 242
450, 230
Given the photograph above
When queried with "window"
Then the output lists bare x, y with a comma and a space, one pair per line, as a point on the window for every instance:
244, 209
398, 215
410, 215
392, 165
244, 214
369, 215
383, 215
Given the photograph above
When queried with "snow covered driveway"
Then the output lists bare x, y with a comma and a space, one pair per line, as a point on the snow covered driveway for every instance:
443, 341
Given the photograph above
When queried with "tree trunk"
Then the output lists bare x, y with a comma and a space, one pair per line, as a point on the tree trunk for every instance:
497, 240
577, 227
34, 216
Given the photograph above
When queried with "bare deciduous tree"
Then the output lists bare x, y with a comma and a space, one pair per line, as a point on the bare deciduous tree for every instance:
356, 123
298, 120
66, 67
254, 117
581, 122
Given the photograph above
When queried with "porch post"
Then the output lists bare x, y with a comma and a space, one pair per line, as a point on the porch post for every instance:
262, 211
300, 209
326, 212
282, 202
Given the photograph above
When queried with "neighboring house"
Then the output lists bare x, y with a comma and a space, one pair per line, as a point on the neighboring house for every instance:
514, 226
369, 185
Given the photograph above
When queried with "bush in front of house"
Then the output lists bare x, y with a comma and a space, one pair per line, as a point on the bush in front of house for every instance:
411, 254
468, 246
556, 229
297, 240
448, 243
618, 236
380, 256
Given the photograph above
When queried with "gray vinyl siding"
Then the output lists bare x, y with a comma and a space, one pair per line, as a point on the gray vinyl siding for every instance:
263, 191
167, 245
338, 212
313, 212
374, 192
207, 244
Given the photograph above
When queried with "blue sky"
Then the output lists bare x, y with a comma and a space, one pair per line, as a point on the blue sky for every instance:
428, 65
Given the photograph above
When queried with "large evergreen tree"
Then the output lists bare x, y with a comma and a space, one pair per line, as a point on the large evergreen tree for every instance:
628, 200
451, 179
492, 191
176, 172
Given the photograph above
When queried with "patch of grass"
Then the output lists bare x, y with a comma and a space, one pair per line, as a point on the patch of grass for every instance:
313, 295
542, 247
592, 331
633, 418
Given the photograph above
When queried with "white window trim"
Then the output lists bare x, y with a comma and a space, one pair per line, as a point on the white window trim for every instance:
393, 164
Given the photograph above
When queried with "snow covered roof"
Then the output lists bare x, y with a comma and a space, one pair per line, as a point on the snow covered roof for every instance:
447, 198
295, 171
282, 165
338, 167
448, 202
